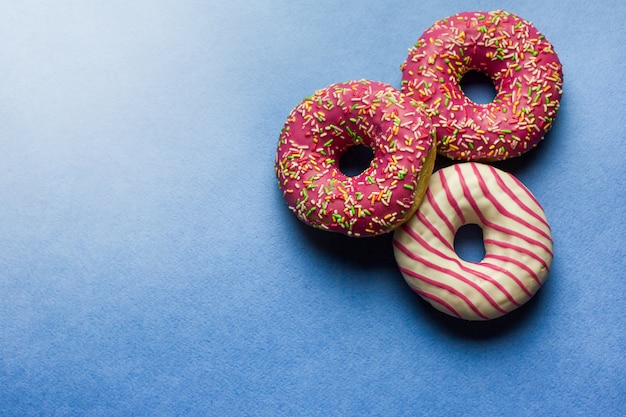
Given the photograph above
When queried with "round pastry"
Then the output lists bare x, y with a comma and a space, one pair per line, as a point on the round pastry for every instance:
517, 240
520, 61
323, 126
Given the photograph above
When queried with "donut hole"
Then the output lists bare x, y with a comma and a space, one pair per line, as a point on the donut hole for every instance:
355, 160
478, 87
469, 244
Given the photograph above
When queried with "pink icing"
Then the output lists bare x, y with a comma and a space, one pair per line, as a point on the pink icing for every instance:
521, 62
322, 127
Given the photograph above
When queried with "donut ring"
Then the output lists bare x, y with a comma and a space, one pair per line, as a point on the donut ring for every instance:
322, 127
521, 62
517, 239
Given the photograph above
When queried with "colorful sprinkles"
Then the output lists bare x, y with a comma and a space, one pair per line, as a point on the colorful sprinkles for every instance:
523, 66
323, 126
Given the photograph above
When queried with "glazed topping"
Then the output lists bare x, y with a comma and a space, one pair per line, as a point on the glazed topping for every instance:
521, 62
322, 127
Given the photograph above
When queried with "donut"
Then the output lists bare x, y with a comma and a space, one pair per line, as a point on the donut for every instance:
520, 61
323, 126
516, 236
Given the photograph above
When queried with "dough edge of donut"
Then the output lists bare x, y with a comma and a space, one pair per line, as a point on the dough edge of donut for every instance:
423, 180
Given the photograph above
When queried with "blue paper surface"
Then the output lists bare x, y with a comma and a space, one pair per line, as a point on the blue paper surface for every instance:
149, 265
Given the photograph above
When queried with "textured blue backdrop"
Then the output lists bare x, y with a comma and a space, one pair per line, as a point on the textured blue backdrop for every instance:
149, 266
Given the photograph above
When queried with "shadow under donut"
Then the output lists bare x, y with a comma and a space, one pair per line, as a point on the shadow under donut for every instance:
362, 253
376, 253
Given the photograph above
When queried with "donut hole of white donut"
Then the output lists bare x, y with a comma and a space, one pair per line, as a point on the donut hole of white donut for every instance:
478, 87
355, 160
469, 244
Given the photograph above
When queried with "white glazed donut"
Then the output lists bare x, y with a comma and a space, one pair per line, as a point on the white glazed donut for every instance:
517, 239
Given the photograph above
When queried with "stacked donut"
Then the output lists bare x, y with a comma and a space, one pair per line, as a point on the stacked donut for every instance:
405, 130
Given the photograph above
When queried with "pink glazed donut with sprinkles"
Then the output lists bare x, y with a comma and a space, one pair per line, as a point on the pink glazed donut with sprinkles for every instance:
520, 61
323, 126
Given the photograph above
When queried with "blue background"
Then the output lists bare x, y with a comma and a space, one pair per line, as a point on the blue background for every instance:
149, 265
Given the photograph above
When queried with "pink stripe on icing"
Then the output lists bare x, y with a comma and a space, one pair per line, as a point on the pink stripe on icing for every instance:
433, 203
444, 287
501, 209
515, 198
436, 299
517, 263
520, 249
433, 230
418, 239
452, 274
468, 196
451, 199
508, 274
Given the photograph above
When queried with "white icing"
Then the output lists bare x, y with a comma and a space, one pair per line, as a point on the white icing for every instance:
518, 243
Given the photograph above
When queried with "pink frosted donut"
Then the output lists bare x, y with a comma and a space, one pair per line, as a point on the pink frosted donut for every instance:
323, 126
521, 62
517, 239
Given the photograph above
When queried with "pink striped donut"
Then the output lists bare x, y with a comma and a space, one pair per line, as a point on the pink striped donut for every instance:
517, 239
